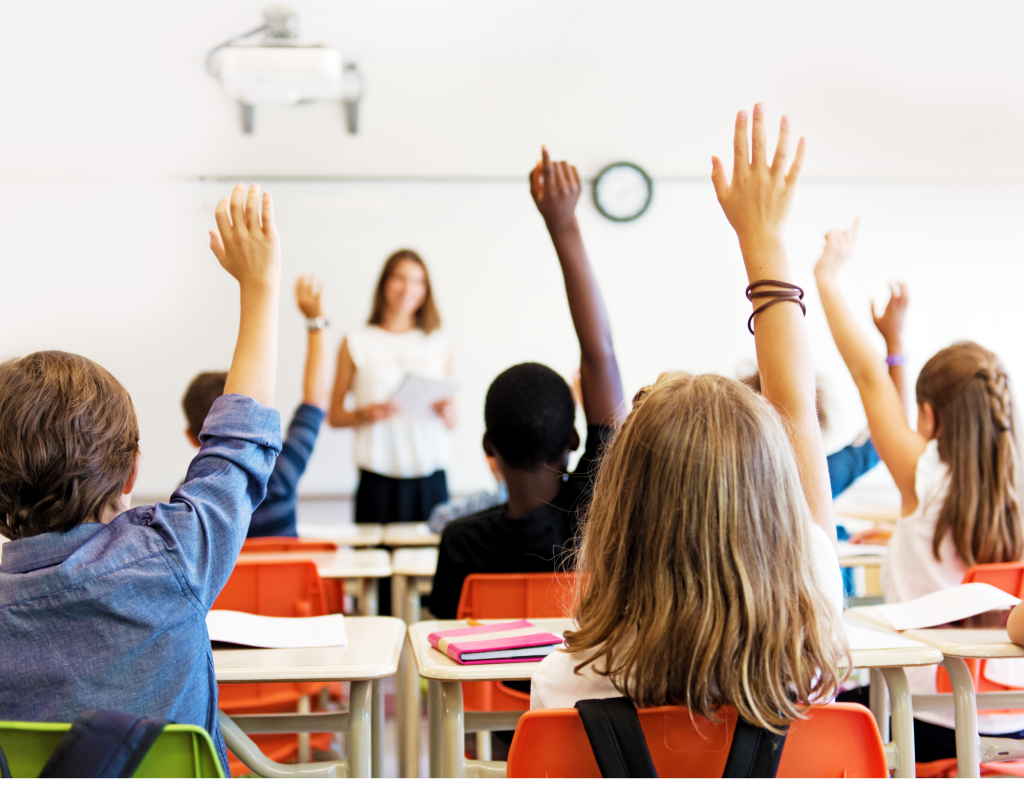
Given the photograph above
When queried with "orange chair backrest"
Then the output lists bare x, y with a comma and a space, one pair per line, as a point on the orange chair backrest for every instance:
1008, 577
282, 589
839, 740
286, 544
535, 595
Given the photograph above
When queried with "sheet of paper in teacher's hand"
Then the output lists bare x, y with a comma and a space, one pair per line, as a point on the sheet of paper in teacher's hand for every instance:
945, 606
263, 631
417, 395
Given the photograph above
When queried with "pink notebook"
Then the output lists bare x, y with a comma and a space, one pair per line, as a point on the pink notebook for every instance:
514, 641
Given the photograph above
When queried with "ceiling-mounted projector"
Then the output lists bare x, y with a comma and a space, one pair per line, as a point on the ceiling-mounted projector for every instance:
279, 69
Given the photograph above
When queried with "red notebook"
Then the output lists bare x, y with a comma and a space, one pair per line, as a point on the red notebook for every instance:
514, 641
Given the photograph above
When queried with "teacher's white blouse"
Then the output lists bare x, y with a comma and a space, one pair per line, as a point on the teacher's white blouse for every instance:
399, 447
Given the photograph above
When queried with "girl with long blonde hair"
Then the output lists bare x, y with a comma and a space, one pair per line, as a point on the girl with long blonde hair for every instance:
707, 570
959, 475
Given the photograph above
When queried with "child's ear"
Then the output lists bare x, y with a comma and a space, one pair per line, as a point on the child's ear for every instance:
927, 425
133, 477
489, 446
574, 441
193, 438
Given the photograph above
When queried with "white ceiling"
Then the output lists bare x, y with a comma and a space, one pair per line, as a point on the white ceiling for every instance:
466, 88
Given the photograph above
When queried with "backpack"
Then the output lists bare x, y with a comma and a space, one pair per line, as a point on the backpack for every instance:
100, 744
613, 729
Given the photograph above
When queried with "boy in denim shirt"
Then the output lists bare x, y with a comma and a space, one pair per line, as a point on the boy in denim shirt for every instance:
103, 606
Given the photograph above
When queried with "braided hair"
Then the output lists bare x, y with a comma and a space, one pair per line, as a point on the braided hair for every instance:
970, 394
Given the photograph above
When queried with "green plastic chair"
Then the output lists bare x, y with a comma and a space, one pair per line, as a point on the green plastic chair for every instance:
179, 751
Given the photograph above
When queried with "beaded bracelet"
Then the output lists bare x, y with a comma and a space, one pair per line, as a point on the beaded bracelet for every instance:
895, 359
790, 294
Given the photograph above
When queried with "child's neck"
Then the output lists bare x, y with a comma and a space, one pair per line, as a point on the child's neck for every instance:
531, 490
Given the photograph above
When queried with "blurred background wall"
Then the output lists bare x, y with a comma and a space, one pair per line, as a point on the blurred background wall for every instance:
115, 146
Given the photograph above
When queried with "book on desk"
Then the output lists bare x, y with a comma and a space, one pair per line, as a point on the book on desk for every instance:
513, 641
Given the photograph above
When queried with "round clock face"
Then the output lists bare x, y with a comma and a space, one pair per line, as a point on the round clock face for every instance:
622, 192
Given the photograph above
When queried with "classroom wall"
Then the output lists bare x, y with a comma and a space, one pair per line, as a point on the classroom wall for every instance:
116, 146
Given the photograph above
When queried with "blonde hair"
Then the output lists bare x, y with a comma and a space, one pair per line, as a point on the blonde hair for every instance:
970, 395
696, 585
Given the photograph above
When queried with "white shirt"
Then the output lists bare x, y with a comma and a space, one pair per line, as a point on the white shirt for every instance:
555, 685
910, 570
399, 447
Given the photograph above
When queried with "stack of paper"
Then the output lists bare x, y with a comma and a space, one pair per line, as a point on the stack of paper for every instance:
417, 395
863, 638
847, 550
517, 641
262, 631
945, 606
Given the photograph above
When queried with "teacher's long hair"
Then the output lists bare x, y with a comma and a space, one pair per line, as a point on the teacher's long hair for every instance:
427, 317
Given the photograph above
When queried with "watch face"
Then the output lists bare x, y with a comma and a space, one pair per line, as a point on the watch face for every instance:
622, 192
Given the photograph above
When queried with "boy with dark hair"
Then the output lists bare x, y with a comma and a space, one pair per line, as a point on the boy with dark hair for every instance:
103, 606
529, 415
275, 516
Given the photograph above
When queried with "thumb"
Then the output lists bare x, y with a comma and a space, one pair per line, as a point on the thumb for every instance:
719, 180
217, 245
874, 315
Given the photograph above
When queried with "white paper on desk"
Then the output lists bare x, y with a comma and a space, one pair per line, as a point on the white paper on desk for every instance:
262, 631
847, 550
861, 638
945, 606
417, 395
327, 532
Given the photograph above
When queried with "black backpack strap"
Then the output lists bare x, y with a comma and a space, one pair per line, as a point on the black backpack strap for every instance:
103, 744
613, 729
755, 752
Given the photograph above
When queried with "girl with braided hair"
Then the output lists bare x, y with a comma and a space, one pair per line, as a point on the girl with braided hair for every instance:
959, 475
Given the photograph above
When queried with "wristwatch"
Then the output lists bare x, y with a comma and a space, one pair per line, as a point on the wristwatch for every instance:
316, 323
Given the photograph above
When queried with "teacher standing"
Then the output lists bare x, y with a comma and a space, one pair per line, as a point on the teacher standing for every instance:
401, 459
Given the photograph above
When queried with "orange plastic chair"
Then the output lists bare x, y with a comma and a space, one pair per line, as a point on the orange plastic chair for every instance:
535, 595
281, 589
287, 544
1007, 577
838, 740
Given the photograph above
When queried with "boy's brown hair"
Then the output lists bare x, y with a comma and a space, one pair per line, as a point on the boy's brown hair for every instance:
68, 439
427, 317
202, 392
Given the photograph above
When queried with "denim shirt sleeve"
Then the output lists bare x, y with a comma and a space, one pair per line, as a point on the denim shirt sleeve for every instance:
207, 518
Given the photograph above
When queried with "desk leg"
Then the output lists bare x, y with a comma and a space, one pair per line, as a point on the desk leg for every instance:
902, 720
879, 700
453, 760
434, 720
368, 596
405, 598
305, 753
360, 729
968, 747
377, 726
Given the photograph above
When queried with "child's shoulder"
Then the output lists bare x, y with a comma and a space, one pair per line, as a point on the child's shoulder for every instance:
473, 525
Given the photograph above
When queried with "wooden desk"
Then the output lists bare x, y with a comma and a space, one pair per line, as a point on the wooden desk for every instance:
374, 646
410, 534
345, 535
412, 571
449, 723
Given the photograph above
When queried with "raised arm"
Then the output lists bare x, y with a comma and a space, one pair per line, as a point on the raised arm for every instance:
897, 444
249, 249
314, 384
756, 203
890, 325
556, 188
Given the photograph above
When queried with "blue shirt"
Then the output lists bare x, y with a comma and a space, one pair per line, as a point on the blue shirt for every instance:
275, 516
114, 616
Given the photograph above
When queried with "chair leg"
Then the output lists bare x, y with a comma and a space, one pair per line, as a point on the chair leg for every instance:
483, 745
305, 753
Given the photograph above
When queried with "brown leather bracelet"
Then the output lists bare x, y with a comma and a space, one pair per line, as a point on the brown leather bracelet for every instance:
777, 283
768, 304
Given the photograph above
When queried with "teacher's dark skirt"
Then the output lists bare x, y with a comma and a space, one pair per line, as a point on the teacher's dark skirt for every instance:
382, 499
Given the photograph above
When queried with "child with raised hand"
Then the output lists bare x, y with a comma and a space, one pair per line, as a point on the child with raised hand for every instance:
529, 415
103, 606
959, 474
708, 491
276, 515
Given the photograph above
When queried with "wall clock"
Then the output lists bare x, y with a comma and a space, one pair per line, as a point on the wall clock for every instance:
622, 191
